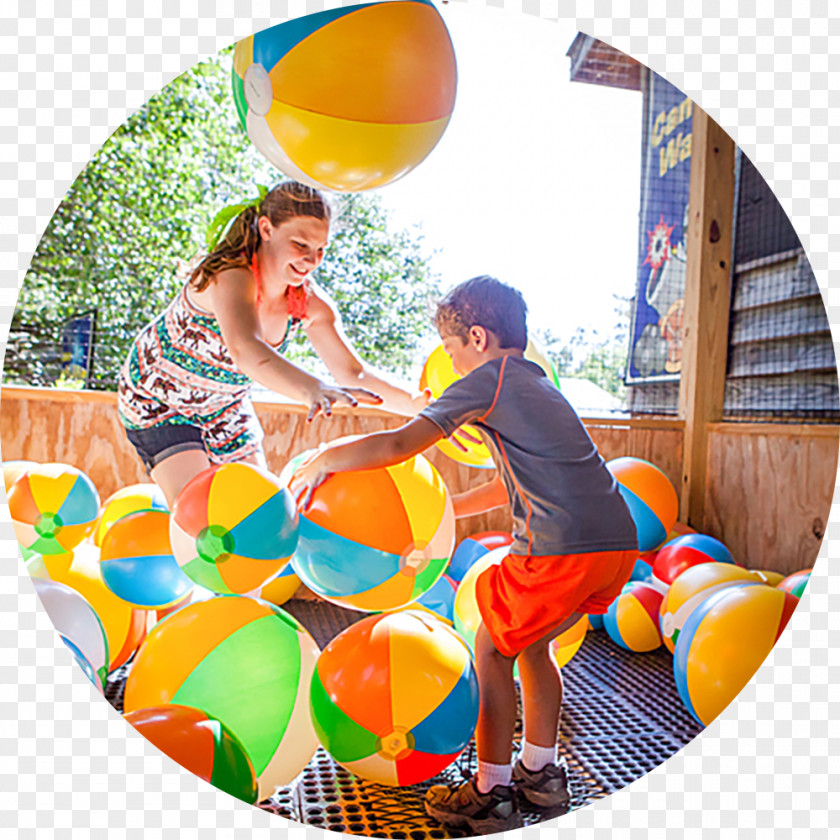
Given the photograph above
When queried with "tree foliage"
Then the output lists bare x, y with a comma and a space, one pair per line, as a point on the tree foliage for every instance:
137, 214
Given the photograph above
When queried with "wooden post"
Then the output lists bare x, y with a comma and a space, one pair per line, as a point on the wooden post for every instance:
707, 303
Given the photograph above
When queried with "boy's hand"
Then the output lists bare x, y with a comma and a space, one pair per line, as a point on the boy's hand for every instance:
310, 475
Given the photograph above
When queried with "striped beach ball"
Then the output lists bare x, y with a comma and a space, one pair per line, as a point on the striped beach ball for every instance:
200, 744
438, 374
687, 551
470, 549
723, 643
439, 601
395, 698
281, 589
690, 589
53, 508
233, 528
650, 496
376, 540
131, 499
137, 563
244, 662
125, 626
349, 98
79, 627
632, 621
796, 583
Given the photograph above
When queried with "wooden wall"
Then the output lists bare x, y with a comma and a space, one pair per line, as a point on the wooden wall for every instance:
768, 494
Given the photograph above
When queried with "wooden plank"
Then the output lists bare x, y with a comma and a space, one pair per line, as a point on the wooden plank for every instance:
769, 492
707, 300
774, 283
764, 358
790, 319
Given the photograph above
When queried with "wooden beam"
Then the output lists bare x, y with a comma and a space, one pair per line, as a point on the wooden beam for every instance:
707, 303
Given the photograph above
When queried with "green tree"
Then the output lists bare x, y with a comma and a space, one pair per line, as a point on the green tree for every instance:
136, 216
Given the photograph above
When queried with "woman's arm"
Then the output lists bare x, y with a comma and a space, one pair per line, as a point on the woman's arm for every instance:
234, 301
480, 499
324, 330
380, 449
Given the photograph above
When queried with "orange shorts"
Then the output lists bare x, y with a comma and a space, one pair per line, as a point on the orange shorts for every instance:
524, 598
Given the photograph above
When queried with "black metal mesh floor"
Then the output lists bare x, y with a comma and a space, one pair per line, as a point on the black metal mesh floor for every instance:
622, 717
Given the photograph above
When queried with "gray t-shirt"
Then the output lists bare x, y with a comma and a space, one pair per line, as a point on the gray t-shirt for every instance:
563, 498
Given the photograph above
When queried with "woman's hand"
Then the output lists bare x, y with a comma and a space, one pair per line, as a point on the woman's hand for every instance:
321, 402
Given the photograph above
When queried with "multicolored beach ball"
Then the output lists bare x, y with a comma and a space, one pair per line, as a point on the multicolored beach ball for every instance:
395, 698
438, 374
796, 583
471, 548
724, 642
376, 539
350, 98
200, 744
132, 499
244, 662
687, 551
632, 621
53, 508
281, 589
125, 626
439, 601
137, 563
233, 528
690, 589
79, 627
650, 496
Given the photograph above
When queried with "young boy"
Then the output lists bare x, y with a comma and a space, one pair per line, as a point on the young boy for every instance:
574, 541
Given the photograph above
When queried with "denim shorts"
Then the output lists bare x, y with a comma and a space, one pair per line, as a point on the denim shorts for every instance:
159, 442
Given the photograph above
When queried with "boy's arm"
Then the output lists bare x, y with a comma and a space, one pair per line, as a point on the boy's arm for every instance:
380, 449
480, 499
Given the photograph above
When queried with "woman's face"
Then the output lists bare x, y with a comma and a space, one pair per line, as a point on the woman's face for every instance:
293, 249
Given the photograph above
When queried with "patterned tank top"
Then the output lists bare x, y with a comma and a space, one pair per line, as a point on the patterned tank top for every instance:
179, 369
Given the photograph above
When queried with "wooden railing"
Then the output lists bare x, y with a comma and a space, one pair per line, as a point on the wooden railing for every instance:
768, 490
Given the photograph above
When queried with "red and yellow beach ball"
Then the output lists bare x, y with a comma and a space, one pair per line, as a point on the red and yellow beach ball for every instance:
395, 698
350, 98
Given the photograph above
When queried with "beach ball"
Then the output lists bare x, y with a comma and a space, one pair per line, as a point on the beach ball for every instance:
200, 744
690, 589
686, 551
53, 508
438, 374
438, 602
795, 583
723, 643
125, 626
79, 627
233, 528
281, 589
350, 98
632, 620
132, 499
137, 564
641, 570
377, 539
467, 616
394, 698
13, 470
470, 549
649, 495
244, 662
767, 576
679, 530
596, 621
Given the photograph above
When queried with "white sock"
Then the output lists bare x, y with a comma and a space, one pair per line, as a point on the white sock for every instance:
535, 758
490, 775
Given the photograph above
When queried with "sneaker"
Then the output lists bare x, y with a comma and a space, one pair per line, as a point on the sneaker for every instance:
546, 788
482, 813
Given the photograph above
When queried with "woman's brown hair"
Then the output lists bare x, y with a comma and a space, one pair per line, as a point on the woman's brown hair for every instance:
236, 249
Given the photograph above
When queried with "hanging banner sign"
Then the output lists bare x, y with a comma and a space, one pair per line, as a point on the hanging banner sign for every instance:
657, 318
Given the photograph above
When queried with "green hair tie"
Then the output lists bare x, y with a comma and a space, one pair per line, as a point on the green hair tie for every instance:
218, 229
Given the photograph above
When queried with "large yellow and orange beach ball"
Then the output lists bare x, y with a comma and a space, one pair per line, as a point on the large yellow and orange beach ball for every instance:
351, 98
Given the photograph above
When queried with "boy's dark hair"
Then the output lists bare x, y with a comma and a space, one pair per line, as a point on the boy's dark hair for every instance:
484, 302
